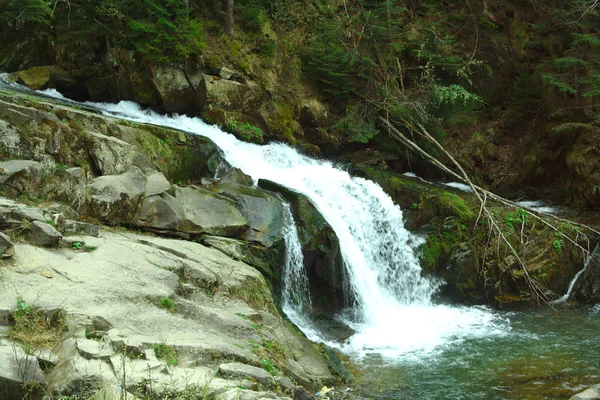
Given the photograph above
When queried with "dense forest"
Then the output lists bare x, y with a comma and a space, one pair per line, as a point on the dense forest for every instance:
487, 77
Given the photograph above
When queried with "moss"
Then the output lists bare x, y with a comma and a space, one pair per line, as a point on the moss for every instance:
453, 204
432, 252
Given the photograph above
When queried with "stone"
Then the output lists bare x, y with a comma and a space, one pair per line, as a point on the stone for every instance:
592, 393
156, 183
110, 155
236, 175
70, 227
35, 78
43, 234
207, 212
219, 91
301, 394
63, 210
7, 248
264, 212
12, 167
259, 257
241, 371
161, 212
285, 383
228, 73
177, 90
17, 369
92, 349
116, 197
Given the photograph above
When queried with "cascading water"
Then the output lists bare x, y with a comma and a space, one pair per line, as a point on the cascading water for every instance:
393, 314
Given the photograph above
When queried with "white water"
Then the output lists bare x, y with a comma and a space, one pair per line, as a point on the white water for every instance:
393, 314
586, 264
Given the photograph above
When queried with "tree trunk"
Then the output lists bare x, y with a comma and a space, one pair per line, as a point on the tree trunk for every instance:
229, 18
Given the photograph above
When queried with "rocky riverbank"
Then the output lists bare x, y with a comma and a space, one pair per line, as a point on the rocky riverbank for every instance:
118, 281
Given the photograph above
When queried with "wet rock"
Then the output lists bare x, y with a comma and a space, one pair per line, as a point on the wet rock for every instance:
263, 211
241, 371
43, 234
35, 78
236, 175
7, 248
207, 212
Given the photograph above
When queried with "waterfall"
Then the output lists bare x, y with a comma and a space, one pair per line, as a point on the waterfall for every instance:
393, 313
296, 296
575, 279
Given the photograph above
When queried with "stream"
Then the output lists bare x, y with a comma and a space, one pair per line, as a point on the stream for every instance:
407, 346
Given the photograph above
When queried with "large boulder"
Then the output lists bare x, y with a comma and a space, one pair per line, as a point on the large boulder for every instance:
210, 213
113, 156
43, 234
17, 371
217, 91
263, 211
115, 198
161, 212
35, 78
177, 89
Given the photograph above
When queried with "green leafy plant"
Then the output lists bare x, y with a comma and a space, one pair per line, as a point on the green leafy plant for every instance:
167, 303
167, 353
77, 245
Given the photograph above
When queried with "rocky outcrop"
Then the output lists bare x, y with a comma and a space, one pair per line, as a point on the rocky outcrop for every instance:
591, 393
185, 315
320, 248
7, 248
35, 78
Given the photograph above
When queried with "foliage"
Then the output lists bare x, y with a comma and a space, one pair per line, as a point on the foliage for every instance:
29, 12
33, 328
164, 352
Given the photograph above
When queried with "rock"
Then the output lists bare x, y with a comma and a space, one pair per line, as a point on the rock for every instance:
161, 212
70, 227
16, 370
43, 234
241, 371
177, 90
210, 213
236, 175
35, 78
156, 183
592, 393
228, 73
263, 259
285, 383
219, 91
301, 394
263, 211
110, 155
116, 197
92, 349
7, 248
10, 168
63, 210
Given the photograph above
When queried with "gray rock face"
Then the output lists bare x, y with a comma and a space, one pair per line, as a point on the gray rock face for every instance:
116, 197
236, 175
161, 212
241, 371
156, 183
113, 156
177, 89
218, 91
263, 211
207, 212
592, 393
17, 369
7, 248
12, 167
70, 227
43, 234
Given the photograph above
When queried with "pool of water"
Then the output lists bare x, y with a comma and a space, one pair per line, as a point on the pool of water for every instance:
546, 355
